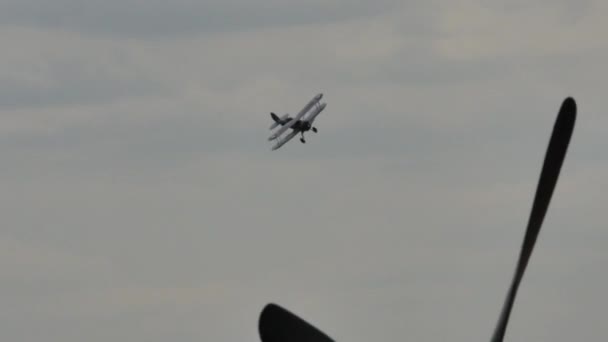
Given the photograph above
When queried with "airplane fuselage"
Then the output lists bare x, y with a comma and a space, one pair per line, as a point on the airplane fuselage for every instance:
301, 126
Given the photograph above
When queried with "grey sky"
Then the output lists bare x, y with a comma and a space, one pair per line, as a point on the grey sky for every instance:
141, 201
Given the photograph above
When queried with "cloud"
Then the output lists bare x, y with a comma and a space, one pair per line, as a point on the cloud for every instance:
500, 31
62, 69
160, 19
141, 201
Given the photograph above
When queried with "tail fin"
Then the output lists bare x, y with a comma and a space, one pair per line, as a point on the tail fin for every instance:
275, 117
278, 120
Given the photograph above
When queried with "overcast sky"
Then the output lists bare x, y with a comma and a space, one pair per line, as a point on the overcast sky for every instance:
141, 202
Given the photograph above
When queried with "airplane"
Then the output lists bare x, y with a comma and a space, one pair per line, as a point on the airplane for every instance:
277, 324
298, 124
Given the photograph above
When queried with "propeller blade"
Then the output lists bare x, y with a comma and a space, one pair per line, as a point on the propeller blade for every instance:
279, 325
558, 144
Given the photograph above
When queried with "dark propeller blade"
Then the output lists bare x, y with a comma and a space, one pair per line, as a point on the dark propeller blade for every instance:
279, 325
562, 131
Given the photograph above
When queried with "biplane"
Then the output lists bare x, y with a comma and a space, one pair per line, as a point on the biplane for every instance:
298, 124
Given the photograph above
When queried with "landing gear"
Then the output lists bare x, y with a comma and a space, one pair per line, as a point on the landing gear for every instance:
302, 139
314, 129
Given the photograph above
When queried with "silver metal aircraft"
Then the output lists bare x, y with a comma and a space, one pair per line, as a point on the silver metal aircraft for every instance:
298, 124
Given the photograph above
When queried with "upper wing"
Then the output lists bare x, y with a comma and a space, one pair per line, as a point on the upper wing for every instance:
279, 325
313, 114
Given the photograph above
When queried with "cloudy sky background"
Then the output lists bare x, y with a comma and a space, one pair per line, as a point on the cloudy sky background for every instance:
141, 202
